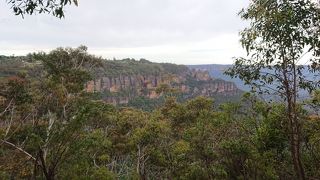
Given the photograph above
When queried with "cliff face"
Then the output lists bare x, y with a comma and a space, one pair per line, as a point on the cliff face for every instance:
136, 82
121, 88
200, 75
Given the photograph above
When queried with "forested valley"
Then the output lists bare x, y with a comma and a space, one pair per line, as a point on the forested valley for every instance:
69, 114
53, 128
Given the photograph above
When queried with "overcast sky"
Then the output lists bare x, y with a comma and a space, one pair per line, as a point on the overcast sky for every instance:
176, 31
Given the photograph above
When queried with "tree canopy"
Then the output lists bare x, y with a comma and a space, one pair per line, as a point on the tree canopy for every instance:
281, 33
52, 129
29, 7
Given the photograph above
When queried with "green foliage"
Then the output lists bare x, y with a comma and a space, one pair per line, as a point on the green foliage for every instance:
191, 140
29, 7
166, 76
43, 115
116, 68
145, 103
52, 129
10, 66
281, 33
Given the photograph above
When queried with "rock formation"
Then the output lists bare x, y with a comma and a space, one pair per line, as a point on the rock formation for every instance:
121, 88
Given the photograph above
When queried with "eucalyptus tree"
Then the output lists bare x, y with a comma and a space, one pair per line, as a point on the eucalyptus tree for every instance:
45, 113
282, 34
29, 7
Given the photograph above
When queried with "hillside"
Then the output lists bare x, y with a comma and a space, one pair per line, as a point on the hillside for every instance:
116, 117
128, 81
141, 83
217, 71
66, 113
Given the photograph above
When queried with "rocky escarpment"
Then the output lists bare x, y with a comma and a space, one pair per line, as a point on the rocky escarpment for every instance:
136, 81
121, 89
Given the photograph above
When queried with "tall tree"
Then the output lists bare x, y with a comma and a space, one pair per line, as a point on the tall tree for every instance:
281, 33
45, 115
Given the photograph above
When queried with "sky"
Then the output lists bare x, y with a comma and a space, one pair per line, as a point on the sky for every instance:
174, 31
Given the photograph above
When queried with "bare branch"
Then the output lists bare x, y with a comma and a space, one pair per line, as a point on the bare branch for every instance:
6, 109
18, 148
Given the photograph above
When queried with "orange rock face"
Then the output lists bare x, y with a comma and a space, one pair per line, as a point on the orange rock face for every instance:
90, 86
201, 75
153, 94
124, 88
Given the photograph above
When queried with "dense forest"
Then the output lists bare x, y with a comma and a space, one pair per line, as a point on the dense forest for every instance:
53, 128
59, 118
136, 83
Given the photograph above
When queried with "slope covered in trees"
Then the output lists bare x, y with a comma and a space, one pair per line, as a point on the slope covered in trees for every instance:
54, 127
51, 128
137, 83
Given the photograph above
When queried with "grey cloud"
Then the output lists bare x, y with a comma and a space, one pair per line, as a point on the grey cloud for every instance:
125, 23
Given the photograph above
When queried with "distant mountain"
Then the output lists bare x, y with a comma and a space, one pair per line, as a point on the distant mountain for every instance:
137, 83
216, 71
141, 83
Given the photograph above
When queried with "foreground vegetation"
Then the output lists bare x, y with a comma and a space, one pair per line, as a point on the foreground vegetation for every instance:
52, 129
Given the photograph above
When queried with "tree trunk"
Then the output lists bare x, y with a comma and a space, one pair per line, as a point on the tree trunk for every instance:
294, 125
141, 163
50, 176
48, 173
294, 128
296, 157
295, 148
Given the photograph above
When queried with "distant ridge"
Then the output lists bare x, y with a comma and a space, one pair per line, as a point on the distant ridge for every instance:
217, 71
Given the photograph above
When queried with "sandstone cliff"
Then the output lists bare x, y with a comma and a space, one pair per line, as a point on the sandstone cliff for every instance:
143, 78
